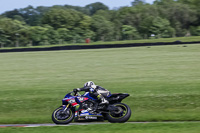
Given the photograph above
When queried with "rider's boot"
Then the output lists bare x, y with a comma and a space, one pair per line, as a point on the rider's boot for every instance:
103, 100
89, 109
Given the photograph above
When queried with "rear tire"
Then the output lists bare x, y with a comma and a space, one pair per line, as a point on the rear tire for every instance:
60, 117
120, 116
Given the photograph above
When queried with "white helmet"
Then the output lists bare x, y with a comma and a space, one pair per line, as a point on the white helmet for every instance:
89, 84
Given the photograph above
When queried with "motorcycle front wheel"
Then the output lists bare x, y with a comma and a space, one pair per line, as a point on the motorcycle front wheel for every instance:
62, 117
122, 114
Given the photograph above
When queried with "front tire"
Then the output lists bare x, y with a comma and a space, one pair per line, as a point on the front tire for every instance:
60, 117
120, 116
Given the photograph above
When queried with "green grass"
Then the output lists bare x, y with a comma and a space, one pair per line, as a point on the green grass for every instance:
163, 81
182, 39
113, 128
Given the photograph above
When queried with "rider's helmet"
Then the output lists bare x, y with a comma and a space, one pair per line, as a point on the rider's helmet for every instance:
89, 84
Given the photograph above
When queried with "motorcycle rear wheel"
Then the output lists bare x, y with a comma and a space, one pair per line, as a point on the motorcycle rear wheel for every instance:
60, 117
120, 116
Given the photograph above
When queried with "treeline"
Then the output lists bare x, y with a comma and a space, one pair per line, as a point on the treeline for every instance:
73, 24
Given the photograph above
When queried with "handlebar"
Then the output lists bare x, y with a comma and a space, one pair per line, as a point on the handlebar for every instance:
75, 93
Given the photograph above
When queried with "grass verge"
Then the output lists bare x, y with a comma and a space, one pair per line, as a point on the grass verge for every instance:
110, 128
163, 81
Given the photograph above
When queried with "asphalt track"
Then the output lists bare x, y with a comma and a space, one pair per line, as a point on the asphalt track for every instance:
50, 125
83, 123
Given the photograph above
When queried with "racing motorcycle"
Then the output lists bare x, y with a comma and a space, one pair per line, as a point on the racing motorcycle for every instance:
86, 108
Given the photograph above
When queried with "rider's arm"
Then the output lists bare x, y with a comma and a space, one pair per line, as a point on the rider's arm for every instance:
84, 89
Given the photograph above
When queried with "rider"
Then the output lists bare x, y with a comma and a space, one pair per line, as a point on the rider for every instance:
96, 91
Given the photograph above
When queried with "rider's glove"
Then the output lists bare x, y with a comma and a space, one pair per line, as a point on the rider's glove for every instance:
76, 90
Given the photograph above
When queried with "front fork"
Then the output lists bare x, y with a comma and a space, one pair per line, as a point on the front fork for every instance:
65, 107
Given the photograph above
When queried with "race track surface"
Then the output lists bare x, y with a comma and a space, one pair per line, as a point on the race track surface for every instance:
38, 125
82, 123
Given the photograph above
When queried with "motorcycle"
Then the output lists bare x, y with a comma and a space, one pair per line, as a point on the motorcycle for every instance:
86, 108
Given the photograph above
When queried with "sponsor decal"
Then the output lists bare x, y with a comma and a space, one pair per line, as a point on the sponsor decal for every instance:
72, 101
80, 98
91, 117
81, 119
